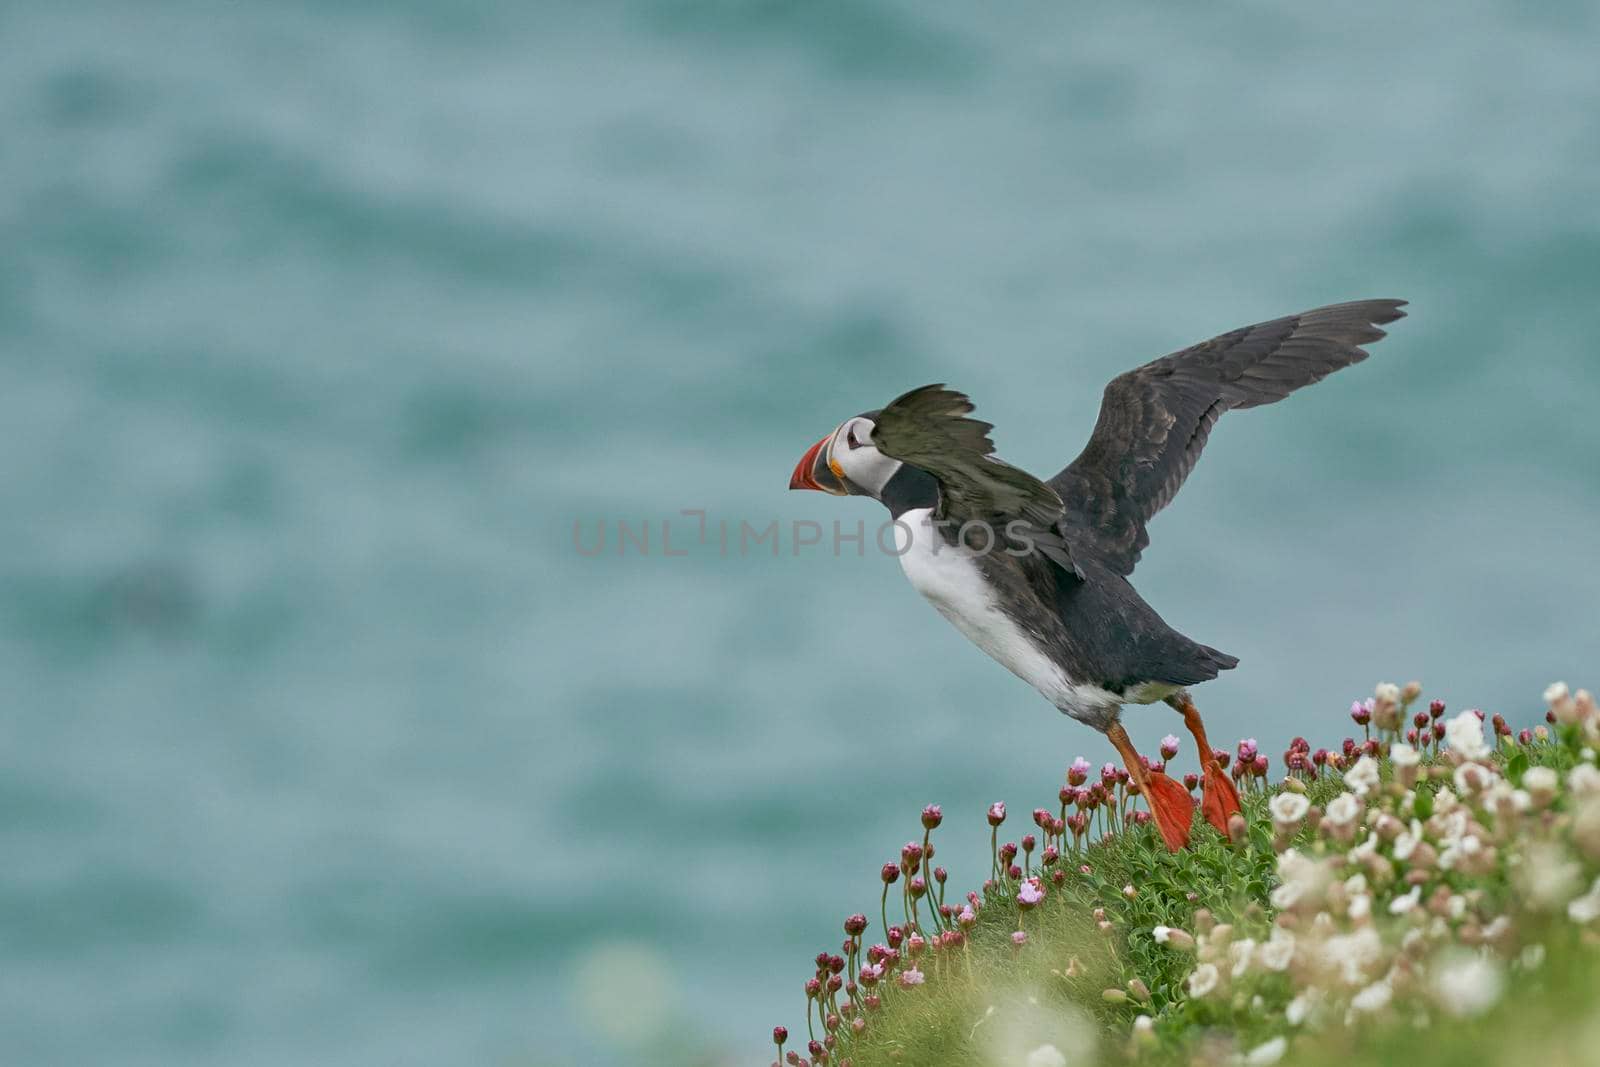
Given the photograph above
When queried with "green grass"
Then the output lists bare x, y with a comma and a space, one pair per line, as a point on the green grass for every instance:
1066, 992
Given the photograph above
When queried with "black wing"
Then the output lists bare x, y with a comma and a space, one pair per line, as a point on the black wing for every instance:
1154, 420
929, 428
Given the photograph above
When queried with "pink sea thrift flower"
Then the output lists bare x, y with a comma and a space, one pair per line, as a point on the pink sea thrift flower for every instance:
1030, 893
911, 977
1169, 747
997, 813
1078, 773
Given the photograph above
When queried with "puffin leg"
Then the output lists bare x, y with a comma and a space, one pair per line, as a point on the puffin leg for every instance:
1219, 800
1169, 802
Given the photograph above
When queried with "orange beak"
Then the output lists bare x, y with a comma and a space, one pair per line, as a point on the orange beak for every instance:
812, 473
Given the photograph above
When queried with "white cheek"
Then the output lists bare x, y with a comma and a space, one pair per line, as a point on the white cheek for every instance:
867, 467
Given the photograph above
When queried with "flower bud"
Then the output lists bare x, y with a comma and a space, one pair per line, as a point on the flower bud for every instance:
890, 873
1169, 747
997, 813
932, 816
856, 925
780, 1034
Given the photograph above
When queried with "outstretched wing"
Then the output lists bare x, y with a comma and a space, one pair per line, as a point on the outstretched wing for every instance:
929, 428
1154, 420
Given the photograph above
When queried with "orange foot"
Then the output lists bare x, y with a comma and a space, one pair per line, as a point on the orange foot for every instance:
1220, 800
1173, 808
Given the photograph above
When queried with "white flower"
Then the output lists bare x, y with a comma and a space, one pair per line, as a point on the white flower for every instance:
1584, 780
1387, 692
1204, 980
1352, 955
1268, 1053
1465, 734
1407, 842
1549, 877
1406, 901
1363, 777
1288, 809
1473, 778
1466, 984
1278, 953
1286, 896
1375, 997
1299, 876
1161, 934
1541, 784
1239, 952
1343, 810
1402, 755
1360, 907
1045, 1056
1143, 1026
1300, 1007
1586, 909
1556, 692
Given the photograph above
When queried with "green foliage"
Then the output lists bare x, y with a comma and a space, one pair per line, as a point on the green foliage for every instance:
1091, 965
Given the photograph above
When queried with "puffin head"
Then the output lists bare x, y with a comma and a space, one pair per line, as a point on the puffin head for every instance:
846, 462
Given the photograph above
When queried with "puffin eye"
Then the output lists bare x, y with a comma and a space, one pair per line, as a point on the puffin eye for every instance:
850, 439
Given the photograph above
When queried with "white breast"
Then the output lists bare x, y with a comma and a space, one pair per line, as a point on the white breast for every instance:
952, 582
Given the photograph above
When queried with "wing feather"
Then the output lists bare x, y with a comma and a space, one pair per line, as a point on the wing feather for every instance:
930, 428
1154, 420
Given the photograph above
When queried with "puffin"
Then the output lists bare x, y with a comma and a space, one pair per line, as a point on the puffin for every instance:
1036, 572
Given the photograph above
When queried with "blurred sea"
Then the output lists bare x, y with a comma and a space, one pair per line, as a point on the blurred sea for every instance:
321, 325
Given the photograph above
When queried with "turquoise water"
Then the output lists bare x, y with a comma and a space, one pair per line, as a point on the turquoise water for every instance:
322, 324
